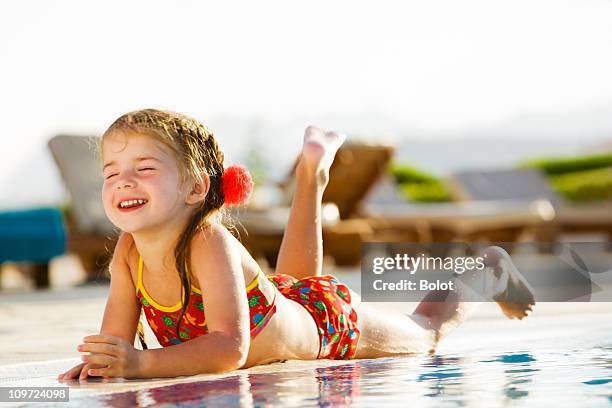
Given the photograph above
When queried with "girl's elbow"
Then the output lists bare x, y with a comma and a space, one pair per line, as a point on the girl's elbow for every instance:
238, 357
234, 357
230, 362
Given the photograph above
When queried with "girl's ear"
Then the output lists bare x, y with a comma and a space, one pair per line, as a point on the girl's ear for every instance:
198, 189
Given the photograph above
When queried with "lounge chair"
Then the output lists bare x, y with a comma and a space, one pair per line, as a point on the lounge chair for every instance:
491, 221
396, 220
32, 237
90, 233
528, 184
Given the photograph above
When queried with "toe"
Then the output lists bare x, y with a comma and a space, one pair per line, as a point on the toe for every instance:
338, 137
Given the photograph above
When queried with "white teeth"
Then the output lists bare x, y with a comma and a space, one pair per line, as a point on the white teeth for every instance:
130, 203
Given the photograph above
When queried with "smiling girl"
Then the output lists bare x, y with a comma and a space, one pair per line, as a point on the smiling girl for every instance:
205, 298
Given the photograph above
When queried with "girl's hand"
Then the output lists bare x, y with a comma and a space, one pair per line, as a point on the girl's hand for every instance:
78, 371
112, 356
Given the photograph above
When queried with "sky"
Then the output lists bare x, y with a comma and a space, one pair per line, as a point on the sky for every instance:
438, 68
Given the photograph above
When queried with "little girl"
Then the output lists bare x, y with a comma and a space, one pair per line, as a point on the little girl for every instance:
205, 298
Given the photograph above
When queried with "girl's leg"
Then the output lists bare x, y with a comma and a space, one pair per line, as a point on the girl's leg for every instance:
441, 311
301, 251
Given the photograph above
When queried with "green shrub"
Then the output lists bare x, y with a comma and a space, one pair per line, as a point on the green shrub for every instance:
555, 166
582, 186
408, 174
429, 192
417, 185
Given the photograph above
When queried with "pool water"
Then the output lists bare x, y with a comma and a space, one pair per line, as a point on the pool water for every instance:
578, 377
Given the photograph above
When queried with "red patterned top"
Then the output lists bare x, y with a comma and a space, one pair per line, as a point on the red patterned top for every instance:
163, 319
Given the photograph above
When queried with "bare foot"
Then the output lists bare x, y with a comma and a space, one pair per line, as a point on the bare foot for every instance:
320, 147
515, 295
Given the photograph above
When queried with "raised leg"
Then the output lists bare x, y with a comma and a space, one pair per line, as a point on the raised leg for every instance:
384, 334
301, 251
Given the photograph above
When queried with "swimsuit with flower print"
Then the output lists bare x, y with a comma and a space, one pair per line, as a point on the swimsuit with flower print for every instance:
163, 319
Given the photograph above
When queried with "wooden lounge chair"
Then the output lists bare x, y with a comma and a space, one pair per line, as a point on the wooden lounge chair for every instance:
491, 221
531, 184
393, 219
90, 234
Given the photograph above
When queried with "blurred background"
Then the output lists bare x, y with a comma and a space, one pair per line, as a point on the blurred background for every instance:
472, 121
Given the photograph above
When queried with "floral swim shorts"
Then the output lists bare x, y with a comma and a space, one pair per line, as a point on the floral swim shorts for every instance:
329, 303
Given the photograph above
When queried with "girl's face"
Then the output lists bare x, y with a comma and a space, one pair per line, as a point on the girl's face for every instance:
142, 182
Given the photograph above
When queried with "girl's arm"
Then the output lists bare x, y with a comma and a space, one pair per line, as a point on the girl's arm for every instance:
122, 310
216, 261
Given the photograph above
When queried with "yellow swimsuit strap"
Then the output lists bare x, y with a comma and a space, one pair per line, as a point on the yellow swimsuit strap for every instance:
140, 286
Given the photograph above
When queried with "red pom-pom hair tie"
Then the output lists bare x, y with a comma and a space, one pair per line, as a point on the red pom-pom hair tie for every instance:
236, 184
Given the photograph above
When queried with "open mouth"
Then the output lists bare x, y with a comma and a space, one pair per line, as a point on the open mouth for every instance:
131, 205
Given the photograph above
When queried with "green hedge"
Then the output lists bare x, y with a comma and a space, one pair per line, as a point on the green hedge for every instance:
435, 191
416, 185
408, 174
555, 166
582, 186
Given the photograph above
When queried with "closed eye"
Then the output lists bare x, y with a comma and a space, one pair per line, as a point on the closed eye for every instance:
143, 169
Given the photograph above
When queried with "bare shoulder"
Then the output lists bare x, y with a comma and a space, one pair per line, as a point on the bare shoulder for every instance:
214, 249
215, 242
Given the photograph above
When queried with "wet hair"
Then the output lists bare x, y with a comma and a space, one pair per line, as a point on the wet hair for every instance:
195, 149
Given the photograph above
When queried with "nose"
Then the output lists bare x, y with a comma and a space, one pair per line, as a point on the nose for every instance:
126, 181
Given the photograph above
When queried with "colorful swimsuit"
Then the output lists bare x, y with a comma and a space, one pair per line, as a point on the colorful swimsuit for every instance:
162, 319
327, 301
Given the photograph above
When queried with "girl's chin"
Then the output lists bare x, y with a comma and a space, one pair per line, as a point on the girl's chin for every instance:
125, 224
128, 227
132, 229
135, 228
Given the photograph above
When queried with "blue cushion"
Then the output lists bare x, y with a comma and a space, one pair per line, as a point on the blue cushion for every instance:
35, 235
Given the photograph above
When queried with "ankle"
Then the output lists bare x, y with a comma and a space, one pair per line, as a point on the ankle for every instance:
316, 178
